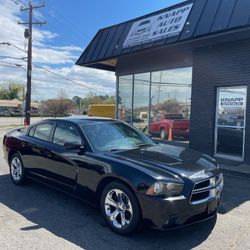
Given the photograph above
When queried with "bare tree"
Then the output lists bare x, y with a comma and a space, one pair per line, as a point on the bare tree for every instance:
58, 107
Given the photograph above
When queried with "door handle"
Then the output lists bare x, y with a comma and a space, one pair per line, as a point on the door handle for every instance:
49, 155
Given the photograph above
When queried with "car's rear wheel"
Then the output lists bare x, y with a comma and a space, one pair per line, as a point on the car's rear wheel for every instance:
120, 208
17, 171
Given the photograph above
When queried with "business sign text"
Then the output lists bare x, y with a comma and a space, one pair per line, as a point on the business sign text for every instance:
158, 27
232, 102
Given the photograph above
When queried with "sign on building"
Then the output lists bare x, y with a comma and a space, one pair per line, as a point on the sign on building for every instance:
232, 102
158, 27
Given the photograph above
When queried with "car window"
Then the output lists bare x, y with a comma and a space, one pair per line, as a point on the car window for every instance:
106, 136
32, 130
158, 118
42, 131
66, 133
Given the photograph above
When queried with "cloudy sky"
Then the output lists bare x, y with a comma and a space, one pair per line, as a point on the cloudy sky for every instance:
58, 44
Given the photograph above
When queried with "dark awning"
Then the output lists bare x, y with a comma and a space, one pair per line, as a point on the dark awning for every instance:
204, 19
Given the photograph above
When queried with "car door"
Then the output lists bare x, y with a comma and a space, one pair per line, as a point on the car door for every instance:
45, 155
35, 147
62, 166
158, 124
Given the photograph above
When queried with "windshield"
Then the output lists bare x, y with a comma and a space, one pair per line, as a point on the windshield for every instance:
108, 136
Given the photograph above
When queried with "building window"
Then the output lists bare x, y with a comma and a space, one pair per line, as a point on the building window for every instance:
230, 122
148, 99
171, 103
141, 101
125, 97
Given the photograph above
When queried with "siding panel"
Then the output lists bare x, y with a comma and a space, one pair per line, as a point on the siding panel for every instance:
224, 65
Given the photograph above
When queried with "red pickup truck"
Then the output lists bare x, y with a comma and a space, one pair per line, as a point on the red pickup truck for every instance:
161, 124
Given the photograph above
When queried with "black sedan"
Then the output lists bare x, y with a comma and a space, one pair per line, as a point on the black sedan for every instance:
116, 167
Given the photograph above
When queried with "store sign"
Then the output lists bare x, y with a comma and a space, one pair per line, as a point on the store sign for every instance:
232, 102
158, 27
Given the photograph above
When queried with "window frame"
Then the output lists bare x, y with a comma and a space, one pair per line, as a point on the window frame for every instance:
39, 124
70, 124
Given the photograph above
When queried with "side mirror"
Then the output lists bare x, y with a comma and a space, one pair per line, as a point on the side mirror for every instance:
74, 146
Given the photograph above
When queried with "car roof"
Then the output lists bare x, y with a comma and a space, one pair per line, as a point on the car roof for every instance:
88, 119
79, 120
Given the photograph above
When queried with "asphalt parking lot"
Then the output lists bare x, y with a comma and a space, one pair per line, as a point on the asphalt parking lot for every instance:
38, 217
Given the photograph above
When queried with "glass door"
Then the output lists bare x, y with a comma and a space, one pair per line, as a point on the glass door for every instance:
230, 122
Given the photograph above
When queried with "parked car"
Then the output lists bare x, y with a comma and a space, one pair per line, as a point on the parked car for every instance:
143, 115
161, 124
114, 166
135, 119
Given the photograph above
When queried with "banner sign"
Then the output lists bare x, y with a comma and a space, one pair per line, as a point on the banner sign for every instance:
158, 27
232, 102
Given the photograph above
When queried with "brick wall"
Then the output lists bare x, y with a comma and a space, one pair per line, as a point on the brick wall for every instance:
222, 65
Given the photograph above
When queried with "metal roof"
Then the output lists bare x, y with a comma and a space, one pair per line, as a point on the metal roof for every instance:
207, 17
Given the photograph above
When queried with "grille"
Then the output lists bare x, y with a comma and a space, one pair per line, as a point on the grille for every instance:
206, 189
202, 184
200, 196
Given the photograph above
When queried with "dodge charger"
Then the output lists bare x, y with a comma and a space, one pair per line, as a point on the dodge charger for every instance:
112, 165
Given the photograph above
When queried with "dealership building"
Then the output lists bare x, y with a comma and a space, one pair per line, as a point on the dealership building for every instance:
193, 59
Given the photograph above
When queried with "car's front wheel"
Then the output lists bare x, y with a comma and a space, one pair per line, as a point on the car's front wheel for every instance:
120, 208
17, 171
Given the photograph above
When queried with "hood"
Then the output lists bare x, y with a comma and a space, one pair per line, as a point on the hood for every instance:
173, 159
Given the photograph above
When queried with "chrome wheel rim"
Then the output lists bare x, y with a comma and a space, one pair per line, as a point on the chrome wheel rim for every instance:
16, 169
118, 208
162, 134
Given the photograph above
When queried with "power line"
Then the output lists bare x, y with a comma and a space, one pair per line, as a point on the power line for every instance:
15, 2
10, 66
12, 57
56, 74
13, 64
15, 46
67, 79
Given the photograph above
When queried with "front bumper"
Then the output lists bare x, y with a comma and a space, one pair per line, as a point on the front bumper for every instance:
177, 211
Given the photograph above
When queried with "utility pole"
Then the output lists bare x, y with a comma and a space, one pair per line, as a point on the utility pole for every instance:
28, 35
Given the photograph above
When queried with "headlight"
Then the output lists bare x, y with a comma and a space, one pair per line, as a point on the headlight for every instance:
165, 188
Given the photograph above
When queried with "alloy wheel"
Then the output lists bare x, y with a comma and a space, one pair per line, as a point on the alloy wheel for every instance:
118, 208
16, 169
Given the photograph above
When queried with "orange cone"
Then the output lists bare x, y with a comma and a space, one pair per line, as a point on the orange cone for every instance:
170, 134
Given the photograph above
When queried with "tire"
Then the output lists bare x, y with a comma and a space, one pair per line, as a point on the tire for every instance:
163, 134
120, 208
17, 171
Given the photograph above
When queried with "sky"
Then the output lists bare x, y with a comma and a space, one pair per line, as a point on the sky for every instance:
57, 45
